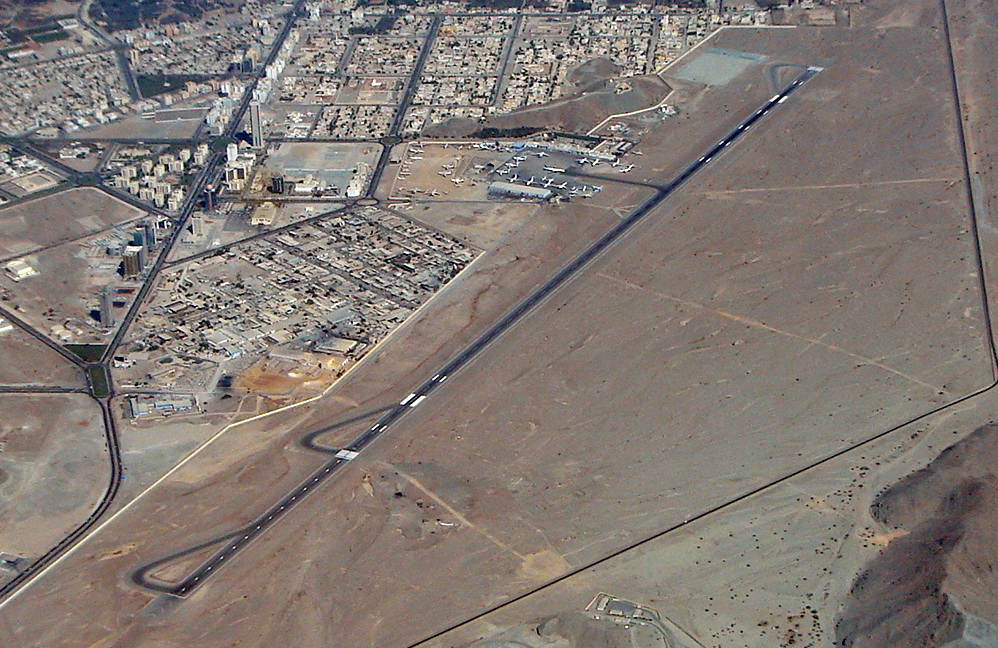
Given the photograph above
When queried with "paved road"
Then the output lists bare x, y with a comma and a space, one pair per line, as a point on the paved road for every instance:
221, 249
426, 389
403, 107
41, 389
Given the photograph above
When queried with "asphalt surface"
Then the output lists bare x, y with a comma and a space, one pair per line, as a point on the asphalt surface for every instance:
239, 541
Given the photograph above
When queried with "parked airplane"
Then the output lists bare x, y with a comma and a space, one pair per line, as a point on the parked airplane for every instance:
530, 181
514, 178
627, 169
554, 169
562, 185
543, 154
597, 188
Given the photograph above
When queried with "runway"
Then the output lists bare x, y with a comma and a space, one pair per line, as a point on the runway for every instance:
239, 540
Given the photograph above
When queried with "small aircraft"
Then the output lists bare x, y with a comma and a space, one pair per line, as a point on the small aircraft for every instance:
543, 154
627, 169
554, 169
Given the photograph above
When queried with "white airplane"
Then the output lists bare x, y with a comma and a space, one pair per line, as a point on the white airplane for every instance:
637, 152
548, 182
542, 154
457, 181
562, 185
554, 169
627, 169
502, 171
615, 163
434, 193
597, 188
531, 181
518, 158
416, 150
596, 162
444, 174
581, 160
415, 157
514, 178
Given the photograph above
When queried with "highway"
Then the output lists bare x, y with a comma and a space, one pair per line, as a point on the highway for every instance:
396, 412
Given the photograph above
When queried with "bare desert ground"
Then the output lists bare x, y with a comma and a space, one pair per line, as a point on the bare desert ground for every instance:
65, 216
26, 361
719, 418
782, 308
53, 469
773, 569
